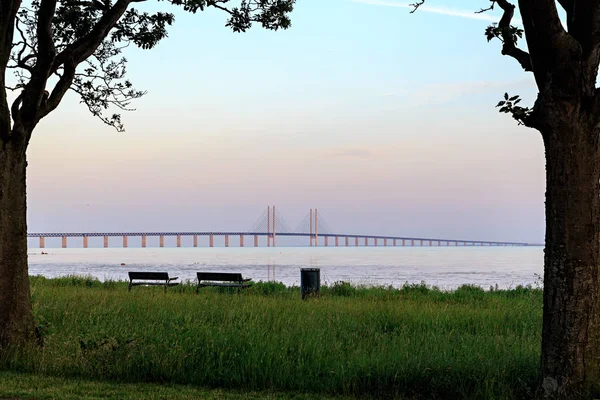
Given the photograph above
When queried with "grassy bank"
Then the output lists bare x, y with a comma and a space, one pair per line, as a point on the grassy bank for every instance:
413, 342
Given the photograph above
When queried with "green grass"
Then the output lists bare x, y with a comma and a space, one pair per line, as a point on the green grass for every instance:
40, 387
415, 342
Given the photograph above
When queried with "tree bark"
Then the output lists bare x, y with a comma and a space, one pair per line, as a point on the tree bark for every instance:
16, 317
571, 320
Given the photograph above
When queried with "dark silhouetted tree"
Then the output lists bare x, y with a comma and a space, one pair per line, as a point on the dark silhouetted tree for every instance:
563, 60
53, 46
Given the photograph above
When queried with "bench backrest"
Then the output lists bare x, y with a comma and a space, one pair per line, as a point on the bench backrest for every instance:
159, 276
219, 276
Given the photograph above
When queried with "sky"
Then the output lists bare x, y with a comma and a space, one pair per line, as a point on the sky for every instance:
383, 119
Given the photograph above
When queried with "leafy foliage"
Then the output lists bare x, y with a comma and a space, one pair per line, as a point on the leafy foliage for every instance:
84, 52
494, 31
509, 106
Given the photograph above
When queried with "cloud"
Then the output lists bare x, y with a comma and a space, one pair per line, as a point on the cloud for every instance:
433, 9
444, 92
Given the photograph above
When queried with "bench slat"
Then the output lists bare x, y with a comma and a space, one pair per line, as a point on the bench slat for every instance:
153, 284
219, 276
223, 284
163, 276
220, 279
158, 278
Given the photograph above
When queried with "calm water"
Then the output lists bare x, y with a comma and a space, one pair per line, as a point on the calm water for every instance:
447, 268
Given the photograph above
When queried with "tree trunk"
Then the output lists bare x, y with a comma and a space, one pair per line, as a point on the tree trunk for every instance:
16, 318
571, 320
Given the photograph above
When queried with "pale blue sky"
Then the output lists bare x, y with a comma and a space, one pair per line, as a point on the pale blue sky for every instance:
384, 120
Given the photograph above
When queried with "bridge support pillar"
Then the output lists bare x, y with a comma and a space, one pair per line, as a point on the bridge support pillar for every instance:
143, 240
403, 242
124, 241
375, 240
394, 242
195, 240
85, 242
337, 241
421, 243
105, 242
326, 241
211, 240
226, 240
241, 240
412, 242
347, 241
64, 242
178, 240
161, 241
430, 243
366, 241
356, 241
42, 242
384, 242
255, 240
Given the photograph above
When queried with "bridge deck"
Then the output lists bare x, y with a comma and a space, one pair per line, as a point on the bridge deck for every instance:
299, 234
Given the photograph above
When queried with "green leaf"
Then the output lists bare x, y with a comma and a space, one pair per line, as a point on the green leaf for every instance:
505, 96
500, 103
514, 98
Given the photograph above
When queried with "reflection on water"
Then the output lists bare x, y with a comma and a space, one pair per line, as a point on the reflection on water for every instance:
446, 267
271, 273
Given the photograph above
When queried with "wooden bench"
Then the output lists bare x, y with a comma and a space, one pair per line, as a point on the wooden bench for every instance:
151, 279
222, 279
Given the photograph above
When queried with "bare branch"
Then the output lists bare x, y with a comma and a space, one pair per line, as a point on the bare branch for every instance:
490, 8
20, 60
416, 5
14, 108
61, 87
13, 88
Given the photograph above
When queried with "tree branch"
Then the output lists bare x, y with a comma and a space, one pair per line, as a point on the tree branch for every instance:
215, 5
584, 24
550, 47
8, 15
20, 60
87, 45
416, 5
34, 90
61, 87
508, 47
567, 5
543, 28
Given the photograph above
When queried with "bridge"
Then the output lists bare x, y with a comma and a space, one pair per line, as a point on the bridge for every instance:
270, 225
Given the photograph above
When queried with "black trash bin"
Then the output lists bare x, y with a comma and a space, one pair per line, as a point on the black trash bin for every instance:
310, 282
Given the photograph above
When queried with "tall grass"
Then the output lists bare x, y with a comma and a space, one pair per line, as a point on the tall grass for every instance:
415, 342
